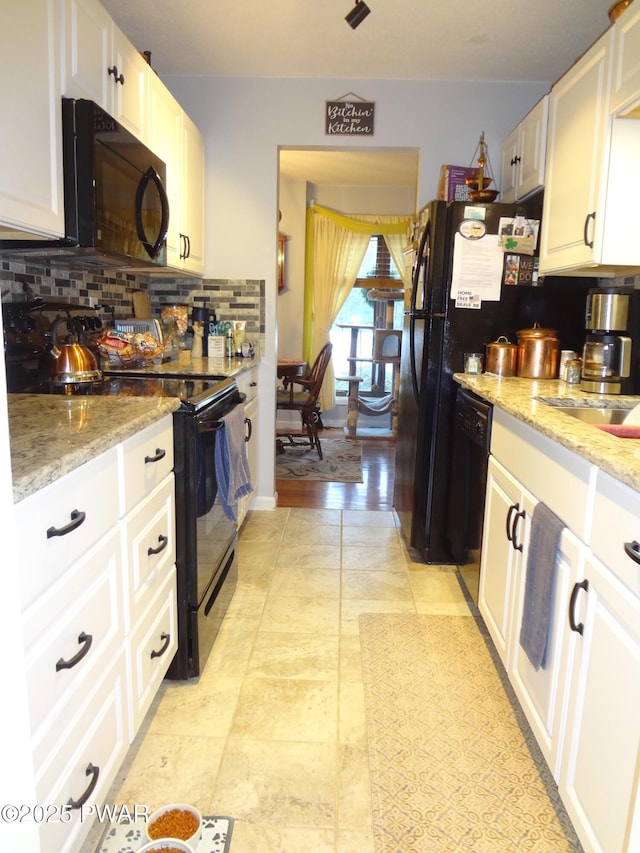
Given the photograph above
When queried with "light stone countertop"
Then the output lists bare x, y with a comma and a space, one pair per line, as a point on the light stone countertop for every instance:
619, 457
200, 367
52, 434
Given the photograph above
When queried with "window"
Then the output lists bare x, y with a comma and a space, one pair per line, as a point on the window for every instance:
377, 273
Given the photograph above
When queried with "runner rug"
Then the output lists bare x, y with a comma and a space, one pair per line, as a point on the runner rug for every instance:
453, 765
341, 462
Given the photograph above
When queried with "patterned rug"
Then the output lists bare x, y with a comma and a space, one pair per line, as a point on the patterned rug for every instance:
341, 462
453, 764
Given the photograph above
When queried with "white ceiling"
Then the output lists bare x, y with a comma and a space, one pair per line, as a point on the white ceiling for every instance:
534, 40
519, 40
351, 168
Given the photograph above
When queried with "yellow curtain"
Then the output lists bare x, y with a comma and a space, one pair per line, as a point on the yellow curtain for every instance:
335, 248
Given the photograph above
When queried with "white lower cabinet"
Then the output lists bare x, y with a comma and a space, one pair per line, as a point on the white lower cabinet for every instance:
601, 766
543, 692
248, 385
150, 649
90, 751
99, 619
507, 522
582, 704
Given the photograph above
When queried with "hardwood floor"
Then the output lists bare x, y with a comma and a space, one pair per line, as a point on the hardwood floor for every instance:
375, 492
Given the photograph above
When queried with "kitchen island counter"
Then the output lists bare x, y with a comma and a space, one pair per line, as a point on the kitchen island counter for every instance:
619, 457
52, 434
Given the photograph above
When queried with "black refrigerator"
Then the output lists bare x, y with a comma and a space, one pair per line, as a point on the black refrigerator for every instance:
436, 336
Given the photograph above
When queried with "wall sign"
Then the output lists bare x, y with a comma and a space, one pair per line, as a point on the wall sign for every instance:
350, 115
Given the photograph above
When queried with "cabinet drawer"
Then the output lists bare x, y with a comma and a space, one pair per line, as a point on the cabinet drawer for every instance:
87, 603
561, 479
96, 736
145, 460
84, 502
616, 525
149, 538
151, 648
247, 382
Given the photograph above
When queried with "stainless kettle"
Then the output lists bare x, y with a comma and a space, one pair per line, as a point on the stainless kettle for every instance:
68, 364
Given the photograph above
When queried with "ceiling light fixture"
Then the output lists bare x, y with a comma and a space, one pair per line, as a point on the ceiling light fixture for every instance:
357, 15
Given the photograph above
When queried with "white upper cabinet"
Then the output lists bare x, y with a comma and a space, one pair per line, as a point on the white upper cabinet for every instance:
591, 174
625, 84
31, 195
177, 141
523, 155
100, 64
192, 203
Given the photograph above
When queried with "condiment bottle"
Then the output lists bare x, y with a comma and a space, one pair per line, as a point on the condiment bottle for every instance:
230, 344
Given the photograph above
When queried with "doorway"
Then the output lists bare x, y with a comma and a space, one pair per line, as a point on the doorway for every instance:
353, 181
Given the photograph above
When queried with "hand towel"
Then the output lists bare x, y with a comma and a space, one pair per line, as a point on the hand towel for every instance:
232, 466
620, 430
546, 529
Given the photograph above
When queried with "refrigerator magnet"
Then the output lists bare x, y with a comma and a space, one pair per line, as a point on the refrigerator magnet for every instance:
472, 212
471, 229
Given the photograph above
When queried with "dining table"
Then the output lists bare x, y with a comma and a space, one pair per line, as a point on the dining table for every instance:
287, 369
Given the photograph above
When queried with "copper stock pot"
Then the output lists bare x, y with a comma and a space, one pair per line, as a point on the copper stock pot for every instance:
502, 357
538, 351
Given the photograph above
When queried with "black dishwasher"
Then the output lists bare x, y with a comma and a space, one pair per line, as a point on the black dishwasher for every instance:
468, 481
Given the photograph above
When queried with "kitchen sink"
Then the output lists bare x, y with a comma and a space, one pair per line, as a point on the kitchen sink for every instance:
589, 415
600, 412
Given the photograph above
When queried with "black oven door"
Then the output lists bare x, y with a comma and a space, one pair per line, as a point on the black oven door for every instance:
206, 542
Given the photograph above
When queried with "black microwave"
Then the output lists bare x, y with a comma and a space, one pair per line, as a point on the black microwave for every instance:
116, 208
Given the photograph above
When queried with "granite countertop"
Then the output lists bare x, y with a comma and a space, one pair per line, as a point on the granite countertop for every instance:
619, 457
52, 434
200, 367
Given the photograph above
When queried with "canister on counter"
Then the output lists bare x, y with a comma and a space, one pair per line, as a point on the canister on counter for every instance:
565, 356
573, 370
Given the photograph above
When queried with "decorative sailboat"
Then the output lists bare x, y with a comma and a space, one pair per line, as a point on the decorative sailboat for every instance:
480, 182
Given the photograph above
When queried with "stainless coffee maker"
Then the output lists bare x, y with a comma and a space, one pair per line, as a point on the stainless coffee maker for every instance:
607, 354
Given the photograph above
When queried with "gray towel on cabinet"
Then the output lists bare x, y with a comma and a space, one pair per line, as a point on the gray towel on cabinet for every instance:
546, 529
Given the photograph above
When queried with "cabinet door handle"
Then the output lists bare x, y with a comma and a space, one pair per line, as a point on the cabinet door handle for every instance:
515, 160
86, 640
632, 549
94, 772
247, 437
586, 229
576, 626
117, 78
516, 518
77, 518
164, 541
513, 508
163, 648
187, 240
160, 454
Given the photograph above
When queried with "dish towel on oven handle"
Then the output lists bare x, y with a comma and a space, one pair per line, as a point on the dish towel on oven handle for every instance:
232, 466
546, 529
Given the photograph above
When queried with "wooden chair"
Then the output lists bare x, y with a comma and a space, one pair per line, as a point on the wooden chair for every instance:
305, 401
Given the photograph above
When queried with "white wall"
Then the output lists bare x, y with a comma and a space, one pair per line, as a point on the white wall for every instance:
246, 120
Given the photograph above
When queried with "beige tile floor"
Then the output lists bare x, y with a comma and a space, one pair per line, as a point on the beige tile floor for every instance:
273, 733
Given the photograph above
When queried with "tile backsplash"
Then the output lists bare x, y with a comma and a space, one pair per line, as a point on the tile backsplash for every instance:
233, 299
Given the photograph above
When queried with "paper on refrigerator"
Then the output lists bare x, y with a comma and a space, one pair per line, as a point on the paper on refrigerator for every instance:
477, 270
